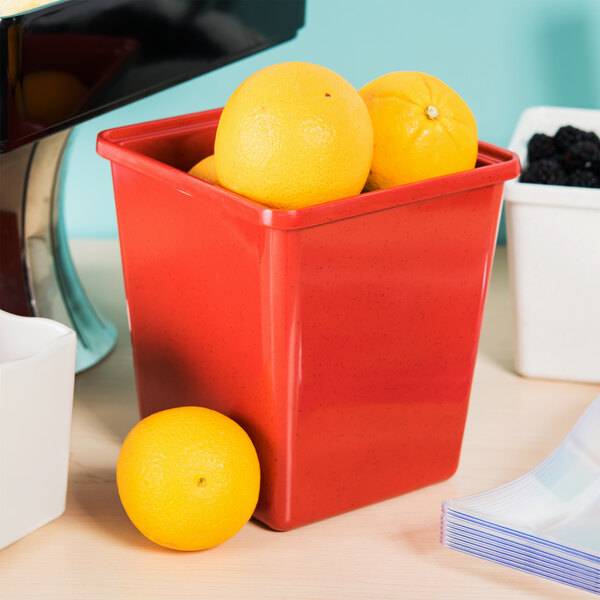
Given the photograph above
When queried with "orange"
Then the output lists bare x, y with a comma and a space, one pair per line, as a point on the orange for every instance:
51, 96
422, 129
188, 477
206, 170
293, 135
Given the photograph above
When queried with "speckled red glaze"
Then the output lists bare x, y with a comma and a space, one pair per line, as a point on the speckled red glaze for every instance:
342, 336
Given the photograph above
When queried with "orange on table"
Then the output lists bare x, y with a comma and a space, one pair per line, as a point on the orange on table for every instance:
292, 135
188, 477
422, 129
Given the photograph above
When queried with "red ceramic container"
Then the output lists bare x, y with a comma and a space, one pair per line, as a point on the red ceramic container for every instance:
342, 336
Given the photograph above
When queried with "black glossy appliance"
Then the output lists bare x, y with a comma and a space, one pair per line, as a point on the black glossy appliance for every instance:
72, 60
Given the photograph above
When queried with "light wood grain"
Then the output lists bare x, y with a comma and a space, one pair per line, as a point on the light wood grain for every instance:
388, 550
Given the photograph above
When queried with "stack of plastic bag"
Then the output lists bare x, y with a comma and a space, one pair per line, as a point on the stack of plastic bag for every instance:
546, 522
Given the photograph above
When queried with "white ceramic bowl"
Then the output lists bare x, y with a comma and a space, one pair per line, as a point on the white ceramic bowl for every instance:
37, 371
553, 240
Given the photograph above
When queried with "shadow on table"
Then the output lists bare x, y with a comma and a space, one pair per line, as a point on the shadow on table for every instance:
94, 492
496, 338
514, 582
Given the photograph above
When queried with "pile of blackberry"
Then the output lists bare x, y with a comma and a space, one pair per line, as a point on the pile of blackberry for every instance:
570, 157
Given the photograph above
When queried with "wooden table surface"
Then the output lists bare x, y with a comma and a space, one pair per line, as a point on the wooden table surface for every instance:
388, 550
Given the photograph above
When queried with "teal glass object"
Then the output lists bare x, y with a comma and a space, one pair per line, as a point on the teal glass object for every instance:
96, 336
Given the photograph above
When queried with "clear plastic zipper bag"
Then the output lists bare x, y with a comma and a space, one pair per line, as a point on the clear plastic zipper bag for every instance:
546, 522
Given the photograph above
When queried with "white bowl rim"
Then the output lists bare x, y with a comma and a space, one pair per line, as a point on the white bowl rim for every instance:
547, 119
54, 333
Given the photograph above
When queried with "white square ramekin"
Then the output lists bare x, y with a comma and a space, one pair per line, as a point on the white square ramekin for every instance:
553, 240
37, 372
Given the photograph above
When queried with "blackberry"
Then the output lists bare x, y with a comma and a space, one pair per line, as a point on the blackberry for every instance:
541, 146
583, 155
591, 136
568, 136
583, 178
545, 170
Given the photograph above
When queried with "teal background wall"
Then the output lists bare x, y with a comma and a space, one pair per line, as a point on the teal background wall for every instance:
501, 57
